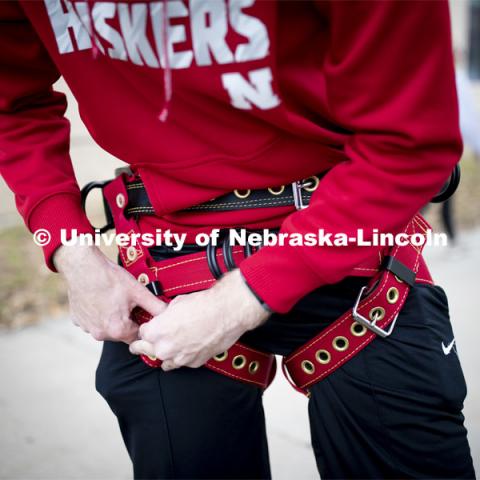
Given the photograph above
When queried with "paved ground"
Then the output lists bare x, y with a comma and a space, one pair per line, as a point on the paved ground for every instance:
55, 426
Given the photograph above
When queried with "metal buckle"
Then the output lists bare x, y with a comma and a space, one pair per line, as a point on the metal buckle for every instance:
371, 324
309, 184
297, 195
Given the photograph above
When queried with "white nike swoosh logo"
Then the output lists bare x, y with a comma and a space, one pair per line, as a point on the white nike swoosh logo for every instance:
447, 349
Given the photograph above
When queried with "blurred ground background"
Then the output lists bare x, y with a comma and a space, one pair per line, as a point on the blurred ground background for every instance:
54, 425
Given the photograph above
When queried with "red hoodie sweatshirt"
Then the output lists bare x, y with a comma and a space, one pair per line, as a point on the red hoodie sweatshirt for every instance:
250, 94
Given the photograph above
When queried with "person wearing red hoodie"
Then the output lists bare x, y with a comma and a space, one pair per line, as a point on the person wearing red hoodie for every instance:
203, 98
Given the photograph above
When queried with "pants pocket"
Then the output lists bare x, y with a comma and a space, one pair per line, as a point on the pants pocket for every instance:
118, 372
419, 389
420, 357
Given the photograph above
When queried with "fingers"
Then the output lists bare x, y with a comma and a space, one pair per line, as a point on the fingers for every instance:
98, 334
149, 302
142, 331
146, 332
142, 347
119, 331
130, 335
169, 365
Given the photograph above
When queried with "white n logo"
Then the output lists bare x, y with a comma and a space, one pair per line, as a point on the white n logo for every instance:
257, 90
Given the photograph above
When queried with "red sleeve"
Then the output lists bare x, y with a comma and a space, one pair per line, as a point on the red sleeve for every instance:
390, 81
34, 134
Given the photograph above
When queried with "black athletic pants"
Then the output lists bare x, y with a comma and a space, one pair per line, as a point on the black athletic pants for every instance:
393, 411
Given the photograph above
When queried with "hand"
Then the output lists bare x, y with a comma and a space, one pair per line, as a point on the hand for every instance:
102, 294
195, 327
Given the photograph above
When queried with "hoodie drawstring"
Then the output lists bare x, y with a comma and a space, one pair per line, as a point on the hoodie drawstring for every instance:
91, 30
167, 70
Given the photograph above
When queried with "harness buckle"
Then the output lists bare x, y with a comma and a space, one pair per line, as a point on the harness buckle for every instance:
309, 184
371, 324
297, 195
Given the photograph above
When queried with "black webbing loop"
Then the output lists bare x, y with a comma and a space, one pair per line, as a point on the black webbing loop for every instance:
399, 270
155, 287
211, 253
228, 254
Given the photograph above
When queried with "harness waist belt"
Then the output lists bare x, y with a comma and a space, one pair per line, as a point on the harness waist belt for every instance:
296, 194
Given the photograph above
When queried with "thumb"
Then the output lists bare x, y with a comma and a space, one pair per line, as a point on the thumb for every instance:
141, 347
148, 301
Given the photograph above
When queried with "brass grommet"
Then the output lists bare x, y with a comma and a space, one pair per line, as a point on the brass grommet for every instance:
358, 329
340, 343
308, 367
376, 314
399, 280
120, 200
276, 190
143, 278
221, 356
253, 367
242, 193
239, 361
393, 295
132, 253
315, 182
323, 356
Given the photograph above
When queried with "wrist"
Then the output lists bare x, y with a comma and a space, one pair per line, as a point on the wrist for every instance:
68, 258
253, 314
263, 304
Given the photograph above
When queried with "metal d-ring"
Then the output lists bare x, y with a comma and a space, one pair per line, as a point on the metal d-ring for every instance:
449, 187
108, 214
